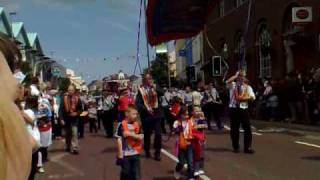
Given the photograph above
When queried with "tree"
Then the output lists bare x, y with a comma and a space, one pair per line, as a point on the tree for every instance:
159, 69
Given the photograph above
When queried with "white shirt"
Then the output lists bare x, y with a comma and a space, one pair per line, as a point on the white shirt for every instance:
244, 88
213, 95
33, 128
108, 103
92, 113
188, 98
181, 95
196, 98
165, 100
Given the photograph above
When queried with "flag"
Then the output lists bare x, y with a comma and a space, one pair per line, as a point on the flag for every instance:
175, 19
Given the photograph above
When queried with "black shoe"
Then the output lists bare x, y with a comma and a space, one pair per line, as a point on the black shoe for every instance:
75, 152
249, 151
236, 151
148, 155
67, 150
157, 158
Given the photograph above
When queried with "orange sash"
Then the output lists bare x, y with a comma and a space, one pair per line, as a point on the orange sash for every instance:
70, 105
133, 143
186, 135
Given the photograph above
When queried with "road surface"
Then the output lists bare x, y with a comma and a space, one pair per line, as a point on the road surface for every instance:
280, 154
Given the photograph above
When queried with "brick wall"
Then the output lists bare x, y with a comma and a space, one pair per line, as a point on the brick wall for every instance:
273, 12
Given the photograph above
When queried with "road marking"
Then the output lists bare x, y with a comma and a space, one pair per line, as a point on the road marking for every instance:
175, 159
273, 130
258, 134
227, 127
169, 155
307, 144
241, 130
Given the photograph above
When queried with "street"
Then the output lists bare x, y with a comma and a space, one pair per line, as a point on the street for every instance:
279, 155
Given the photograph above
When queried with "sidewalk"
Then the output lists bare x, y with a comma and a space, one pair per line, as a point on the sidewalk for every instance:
290, 126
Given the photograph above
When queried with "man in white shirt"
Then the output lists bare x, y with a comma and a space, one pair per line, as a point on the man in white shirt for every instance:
241, 93
196, 98
188, 98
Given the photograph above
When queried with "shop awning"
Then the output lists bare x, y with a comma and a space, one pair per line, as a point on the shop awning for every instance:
175, 19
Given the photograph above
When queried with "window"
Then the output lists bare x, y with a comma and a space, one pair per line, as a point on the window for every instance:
264, 50
221, 8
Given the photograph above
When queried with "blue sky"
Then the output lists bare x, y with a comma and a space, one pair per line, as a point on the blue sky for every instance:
81, 33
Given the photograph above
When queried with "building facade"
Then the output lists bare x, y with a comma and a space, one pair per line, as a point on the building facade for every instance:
181, 60
274, 45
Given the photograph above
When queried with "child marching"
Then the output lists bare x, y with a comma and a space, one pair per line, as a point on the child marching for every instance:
184, 127
129, 140
198, 143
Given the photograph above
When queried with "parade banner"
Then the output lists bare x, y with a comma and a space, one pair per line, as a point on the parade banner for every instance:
175, 19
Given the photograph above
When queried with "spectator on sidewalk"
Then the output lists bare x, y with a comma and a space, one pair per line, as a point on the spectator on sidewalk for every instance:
294, 96
272, 101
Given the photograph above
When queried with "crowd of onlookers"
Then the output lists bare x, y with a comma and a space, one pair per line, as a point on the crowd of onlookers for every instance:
293, 99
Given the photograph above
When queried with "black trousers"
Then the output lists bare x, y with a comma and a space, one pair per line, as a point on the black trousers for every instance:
81, 126
100, 118
56, 127
216, 113
164, 111
108, 119
212, 112
185, 156
34, 164
93, 125
208, 114
152, 124
44, 153
240, 117
130, 169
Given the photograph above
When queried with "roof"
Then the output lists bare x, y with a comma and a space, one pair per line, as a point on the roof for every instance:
32, 38
34, 42
18, 29
5, 27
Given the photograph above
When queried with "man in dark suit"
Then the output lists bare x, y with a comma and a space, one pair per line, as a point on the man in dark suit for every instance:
148, 106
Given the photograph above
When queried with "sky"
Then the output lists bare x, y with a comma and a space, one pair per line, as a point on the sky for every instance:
93, 37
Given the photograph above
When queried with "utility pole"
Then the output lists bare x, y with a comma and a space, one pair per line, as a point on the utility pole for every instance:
148, 55
169, 74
